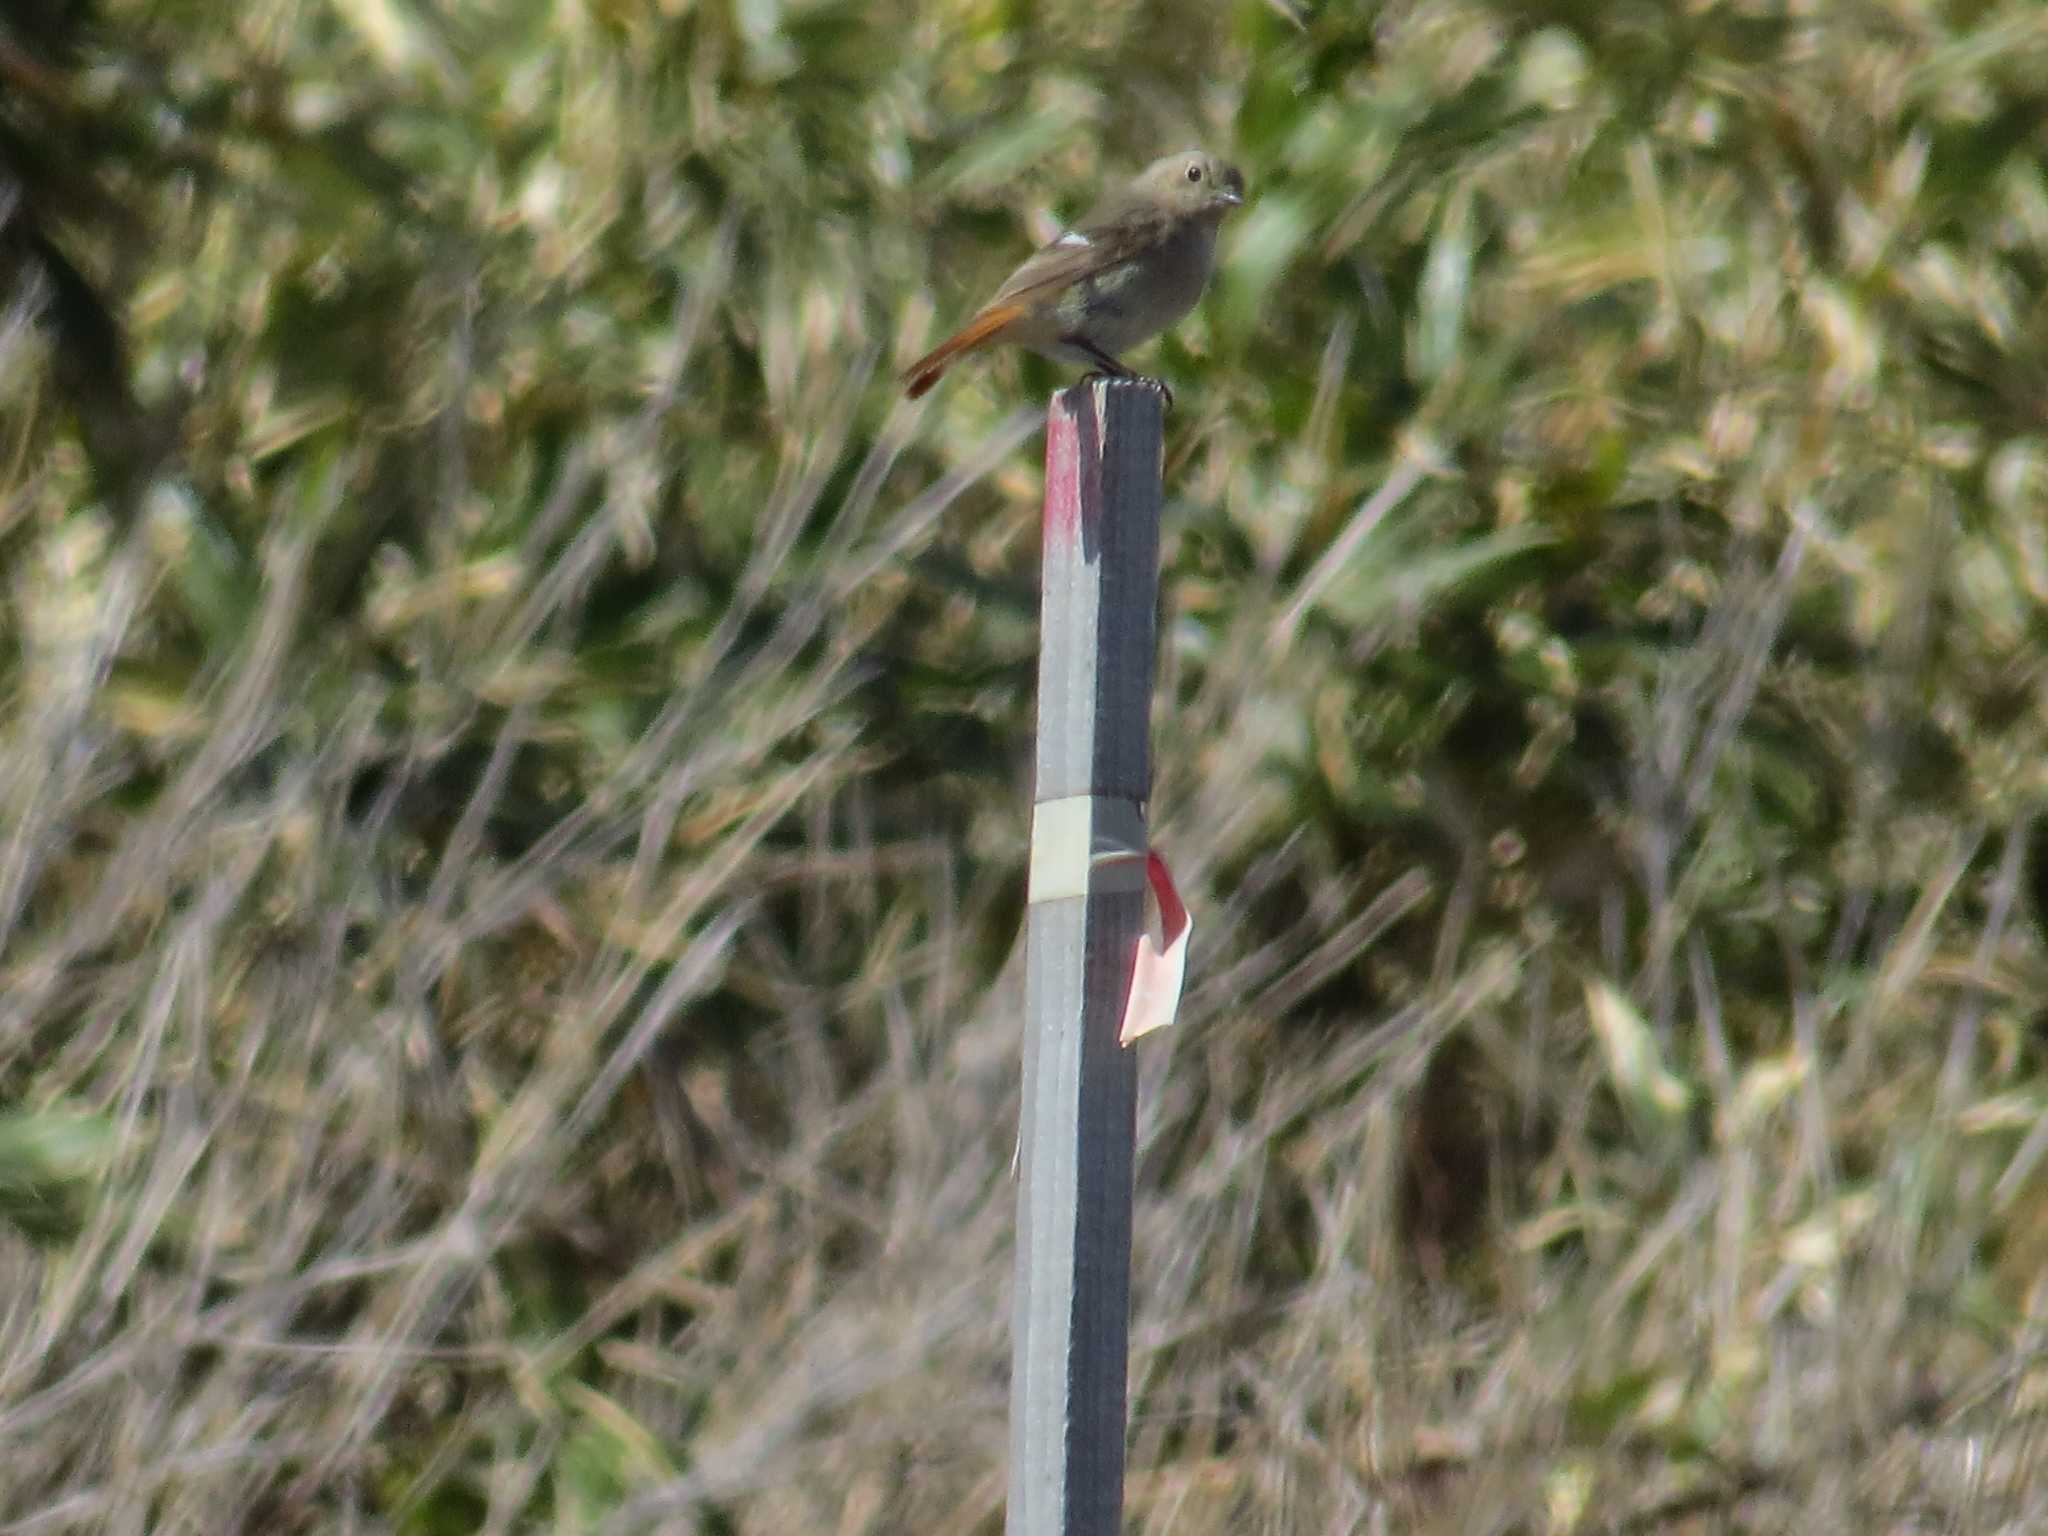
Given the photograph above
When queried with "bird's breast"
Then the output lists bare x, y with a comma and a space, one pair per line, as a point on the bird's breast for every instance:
1139, 298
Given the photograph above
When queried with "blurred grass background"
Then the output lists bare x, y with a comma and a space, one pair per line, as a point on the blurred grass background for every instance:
514, 768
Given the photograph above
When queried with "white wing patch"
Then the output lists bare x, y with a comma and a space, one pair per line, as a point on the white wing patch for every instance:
1072, 237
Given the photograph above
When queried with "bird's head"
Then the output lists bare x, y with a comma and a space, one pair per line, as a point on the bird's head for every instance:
1192, 182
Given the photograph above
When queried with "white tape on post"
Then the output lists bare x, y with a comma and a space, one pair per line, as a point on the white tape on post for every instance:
1084, 843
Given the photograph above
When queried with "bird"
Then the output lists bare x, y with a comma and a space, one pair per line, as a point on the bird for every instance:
1132, 268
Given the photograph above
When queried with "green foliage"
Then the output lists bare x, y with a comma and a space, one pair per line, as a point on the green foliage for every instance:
48, 1160
516, 753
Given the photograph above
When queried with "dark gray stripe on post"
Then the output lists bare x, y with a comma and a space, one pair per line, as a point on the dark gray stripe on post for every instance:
1071, 1327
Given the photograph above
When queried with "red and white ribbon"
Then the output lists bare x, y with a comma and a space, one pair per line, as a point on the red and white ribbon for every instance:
1095, 844
1162, 964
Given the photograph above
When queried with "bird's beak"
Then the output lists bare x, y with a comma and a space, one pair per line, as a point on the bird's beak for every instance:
1229, 197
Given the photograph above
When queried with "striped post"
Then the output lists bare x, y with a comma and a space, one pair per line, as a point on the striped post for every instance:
1071, 1327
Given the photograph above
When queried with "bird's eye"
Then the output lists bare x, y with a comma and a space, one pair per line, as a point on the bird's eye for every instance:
1194, 173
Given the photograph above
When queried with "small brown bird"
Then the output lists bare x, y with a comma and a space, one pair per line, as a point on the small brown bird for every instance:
1129, 270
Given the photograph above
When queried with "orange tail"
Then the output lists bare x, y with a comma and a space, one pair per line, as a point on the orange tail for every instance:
984, 328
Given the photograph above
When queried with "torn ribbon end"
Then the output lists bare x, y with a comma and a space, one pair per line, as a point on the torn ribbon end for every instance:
1160, 966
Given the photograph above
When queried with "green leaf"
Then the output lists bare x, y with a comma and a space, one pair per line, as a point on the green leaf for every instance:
48, 1158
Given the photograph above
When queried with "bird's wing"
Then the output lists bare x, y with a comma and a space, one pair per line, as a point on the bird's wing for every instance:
1106, 241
